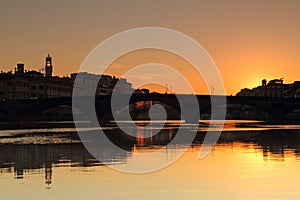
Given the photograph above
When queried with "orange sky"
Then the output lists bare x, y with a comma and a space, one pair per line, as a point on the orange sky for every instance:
248, 40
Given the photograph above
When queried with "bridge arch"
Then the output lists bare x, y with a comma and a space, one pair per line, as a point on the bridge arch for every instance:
292, 113
238, 111
49, 109
104, 113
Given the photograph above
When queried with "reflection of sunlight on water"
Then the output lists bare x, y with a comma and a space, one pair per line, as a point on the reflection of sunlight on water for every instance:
43, 135
232, 170
216, 125
243, 125
49, 130
244, 165
145, 134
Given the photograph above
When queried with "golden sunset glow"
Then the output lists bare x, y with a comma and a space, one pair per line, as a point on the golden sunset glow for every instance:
150, 100
222, 173
184, 68
248, 40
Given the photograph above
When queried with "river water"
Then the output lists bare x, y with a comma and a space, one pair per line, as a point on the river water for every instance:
251, 160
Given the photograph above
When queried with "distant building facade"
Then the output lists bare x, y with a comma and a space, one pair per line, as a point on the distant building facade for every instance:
106, 85
32, 84
274, 88
23, 84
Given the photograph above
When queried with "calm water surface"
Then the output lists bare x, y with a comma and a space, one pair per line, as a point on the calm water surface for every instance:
250, 161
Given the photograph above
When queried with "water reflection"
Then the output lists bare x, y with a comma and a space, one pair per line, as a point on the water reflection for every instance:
24, 159
27, 158
273, 143
145, 137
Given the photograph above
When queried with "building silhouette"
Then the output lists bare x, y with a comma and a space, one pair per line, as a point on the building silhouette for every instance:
22, 84
85, 83
48, 67
274, 88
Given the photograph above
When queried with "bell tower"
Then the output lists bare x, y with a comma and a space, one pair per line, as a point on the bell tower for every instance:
48, 67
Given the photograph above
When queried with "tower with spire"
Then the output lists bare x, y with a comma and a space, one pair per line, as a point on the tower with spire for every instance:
48, 67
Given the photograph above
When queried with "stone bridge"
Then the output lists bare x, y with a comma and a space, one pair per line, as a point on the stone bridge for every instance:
17, 110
